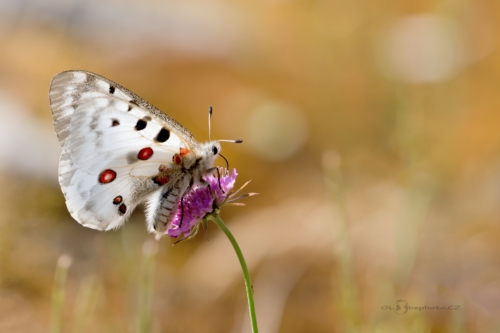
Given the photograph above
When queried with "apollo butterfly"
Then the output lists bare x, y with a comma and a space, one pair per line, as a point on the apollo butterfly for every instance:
118, 151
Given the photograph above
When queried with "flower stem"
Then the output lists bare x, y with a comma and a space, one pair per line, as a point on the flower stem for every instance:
248, 283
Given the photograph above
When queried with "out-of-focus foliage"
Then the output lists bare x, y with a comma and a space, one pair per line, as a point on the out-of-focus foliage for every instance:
370, 128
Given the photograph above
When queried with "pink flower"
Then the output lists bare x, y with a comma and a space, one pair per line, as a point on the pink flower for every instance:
200, 202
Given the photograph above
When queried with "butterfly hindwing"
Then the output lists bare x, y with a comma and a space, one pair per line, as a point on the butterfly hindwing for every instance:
113, 160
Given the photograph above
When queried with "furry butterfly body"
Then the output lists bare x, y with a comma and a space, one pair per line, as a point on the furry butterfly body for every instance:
118, 151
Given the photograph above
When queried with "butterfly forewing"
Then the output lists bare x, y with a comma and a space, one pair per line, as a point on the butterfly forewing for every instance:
69, 90
104, 131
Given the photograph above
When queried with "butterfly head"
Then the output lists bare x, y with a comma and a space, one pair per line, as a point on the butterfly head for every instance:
209, 153
216, 148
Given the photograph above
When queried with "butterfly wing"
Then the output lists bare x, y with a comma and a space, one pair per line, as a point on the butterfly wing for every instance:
117, 151
70, 89
113, 160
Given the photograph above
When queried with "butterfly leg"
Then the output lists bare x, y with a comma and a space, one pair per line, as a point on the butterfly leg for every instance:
182, 211
218, 177
203, 182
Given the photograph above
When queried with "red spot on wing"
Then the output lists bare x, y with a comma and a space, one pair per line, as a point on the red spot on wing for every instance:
107, 176
117, 200
177, 159
145, 153
162, 180
184, 151
122, 208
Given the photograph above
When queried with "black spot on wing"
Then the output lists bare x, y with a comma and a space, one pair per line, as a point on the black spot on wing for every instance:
115, 122
163, 135
141, 124
111, 89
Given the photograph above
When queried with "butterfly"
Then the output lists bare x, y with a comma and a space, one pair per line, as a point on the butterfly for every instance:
118, 151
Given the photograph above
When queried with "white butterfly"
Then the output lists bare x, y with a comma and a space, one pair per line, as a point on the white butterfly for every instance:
119, 150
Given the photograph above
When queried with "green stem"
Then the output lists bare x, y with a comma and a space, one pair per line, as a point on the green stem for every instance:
248, 283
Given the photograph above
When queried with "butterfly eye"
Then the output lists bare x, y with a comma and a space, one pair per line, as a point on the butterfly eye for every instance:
214, 150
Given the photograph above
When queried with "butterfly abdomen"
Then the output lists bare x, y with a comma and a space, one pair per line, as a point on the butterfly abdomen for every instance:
162, 205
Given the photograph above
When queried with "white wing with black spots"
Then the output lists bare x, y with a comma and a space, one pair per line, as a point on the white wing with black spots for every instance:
111, 163
70, 89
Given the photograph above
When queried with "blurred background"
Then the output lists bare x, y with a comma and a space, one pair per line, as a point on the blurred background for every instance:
370, 128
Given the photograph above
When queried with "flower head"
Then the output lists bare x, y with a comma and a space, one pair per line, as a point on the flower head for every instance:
204, 200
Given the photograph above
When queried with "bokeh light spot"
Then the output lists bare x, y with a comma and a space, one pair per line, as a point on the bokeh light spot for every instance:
277, 130
422, 48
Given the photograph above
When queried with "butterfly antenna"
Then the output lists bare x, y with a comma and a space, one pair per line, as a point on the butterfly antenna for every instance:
233, 141
209, 127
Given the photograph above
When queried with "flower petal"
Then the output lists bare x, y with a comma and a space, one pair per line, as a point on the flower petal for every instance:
243, 186
242, 196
